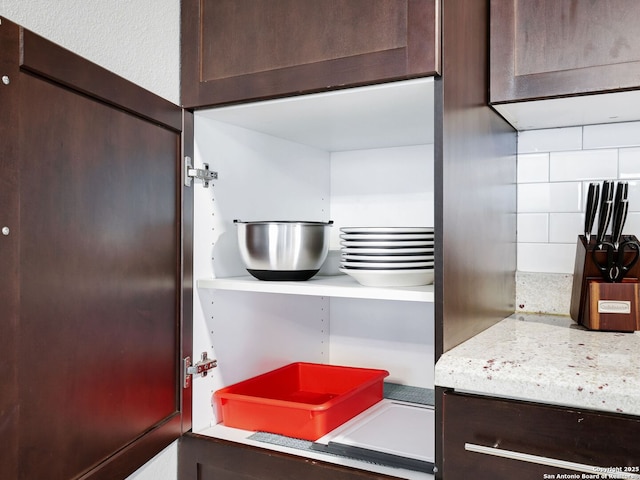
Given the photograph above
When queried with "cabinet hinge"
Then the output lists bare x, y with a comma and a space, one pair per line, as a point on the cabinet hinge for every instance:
201, 368
203, 174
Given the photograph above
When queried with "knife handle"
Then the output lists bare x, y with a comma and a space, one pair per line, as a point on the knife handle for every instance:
607, 191
619, 211
593, 196
622, 191
606, 209
603, 220
619, 218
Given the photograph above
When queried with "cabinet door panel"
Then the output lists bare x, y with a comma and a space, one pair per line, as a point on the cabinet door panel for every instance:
547, 48
250, 49
99, 270
571, 435
98, 277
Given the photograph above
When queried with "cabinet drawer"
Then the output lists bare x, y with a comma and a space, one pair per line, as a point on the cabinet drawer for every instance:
206, 458
535, 439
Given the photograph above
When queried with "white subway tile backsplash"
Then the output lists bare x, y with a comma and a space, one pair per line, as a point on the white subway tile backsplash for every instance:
565, 227
555, 167
550, 140
533, 167
549, 197
632, 226
583, 165
546, 257
533, 227
629, 163
534, 197
634, 195
612, 135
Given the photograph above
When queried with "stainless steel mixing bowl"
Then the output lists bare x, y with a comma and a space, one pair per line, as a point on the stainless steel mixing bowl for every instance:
283, 250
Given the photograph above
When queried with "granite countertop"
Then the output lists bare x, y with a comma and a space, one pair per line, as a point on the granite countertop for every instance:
548, 359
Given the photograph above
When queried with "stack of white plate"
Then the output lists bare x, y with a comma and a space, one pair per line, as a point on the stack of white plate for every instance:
388, 256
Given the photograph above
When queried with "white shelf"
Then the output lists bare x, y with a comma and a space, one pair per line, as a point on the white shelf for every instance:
327, 286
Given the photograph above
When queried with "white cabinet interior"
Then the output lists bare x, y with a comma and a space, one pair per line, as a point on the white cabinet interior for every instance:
359, 157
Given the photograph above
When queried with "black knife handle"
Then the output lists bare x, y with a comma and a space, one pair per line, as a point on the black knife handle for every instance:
606, 209
619, 216
619, 219
603, 220
622, 191
607, 191
593, 196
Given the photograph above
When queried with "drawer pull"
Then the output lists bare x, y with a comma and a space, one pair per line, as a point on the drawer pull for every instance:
606, 472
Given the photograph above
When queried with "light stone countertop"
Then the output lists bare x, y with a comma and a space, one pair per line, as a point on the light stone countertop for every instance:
548, 359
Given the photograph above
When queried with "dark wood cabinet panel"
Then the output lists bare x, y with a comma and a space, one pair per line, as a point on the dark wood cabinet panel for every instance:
475, 185
206, 458
475, 191
9, 256
238, 50
568, 434
95, 174
186, 295
551, 48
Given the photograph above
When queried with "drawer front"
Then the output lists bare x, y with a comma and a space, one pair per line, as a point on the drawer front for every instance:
494, 439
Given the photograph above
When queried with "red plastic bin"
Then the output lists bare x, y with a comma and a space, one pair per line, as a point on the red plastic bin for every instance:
300, 400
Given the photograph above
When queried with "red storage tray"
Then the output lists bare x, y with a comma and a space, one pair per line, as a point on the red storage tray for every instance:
300, 400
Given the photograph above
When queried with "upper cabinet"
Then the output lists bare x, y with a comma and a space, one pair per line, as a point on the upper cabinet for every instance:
240, 50
562, 52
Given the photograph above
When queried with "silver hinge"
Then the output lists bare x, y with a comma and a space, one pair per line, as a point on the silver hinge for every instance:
201, 368
203, 174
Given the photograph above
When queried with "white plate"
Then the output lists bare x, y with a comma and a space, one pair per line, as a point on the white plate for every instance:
387, 265
387, 251
387, 244
391, 278
387, 236
386, 258
387, 229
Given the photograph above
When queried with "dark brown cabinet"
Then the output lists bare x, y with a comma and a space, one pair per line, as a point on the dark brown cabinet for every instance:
248, 50
204, 458
96, 272
91, 270
474, 190
555, 48
497, 438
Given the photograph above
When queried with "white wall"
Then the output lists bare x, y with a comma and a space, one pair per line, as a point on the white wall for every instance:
555, 167
138, 40
163, 466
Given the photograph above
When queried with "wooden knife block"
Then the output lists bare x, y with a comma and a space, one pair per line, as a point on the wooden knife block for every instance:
589, 290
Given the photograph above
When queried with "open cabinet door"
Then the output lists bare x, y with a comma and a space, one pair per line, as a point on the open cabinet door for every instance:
92, 267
